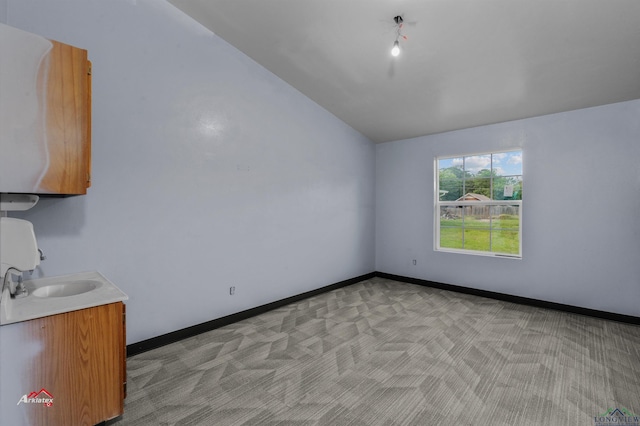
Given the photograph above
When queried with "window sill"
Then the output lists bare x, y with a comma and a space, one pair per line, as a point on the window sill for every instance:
479, 253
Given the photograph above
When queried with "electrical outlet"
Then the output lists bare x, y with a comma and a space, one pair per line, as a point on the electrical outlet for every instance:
232, 290
415, 262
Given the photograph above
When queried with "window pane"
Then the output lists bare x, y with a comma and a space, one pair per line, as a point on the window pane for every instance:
505, 217
507, 163
450, 189
478, 189
450, 216
451, 237
476, 239
450, 227
507, 188
505, 242
475, 163
448, 163
477, 216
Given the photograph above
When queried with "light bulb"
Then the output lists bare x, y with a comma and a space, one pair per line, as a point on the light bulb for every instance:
396, 48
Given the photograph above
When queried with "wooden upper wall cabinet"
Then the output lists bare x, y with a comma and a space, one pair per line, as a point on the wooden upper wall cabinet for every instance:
45, 115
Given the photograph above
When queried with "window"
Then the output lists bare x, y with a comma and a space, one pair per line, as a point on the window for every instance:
479, 204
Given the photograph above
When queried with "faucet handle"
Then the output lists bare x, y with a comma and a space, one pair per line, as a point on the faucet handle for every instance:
13, 286
21, 290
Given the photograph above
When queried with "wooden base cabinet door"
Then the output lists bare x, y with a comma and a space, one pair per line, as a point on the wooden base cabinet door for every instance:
80, 366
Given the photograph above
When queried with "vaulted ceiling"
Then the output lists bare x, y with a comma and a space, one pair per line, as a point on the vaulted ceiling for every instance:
464, 63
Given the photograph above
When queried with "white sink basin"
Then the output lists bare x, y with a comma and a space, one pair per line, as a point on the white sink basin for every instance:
66, 289
57, 295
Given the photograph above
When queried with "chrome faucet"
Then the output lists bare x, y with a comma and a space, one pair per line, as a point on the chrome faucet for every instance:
18, 290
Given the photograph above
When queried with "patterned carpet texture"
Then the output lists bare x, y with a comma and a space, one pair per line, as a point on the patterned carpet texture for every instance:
382, 352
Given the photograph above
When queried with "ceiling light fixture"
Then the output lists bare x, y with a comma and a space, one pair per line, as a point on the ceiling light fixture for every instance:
395, 51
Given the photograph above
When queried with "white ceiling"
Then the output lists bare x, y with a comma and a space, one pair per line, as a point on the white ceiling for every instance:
465, 63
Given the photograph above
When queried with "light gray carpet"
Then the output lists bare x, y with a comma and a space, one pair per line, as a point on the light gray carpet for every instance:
382, 352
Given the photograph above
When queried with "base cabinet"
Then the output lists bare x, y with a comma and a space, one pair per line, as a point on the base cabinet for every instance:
81, 366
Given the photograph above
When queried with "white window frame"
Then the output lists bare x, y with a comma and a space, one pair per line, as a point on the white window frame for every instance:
438, 204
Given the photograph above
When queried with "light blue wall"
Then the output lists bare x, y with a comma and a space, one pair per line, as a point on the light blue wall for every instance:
581, 209
208, 172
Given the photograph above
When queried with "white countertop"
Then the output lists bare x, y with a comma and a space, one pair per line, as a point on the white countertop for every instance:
32, 306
